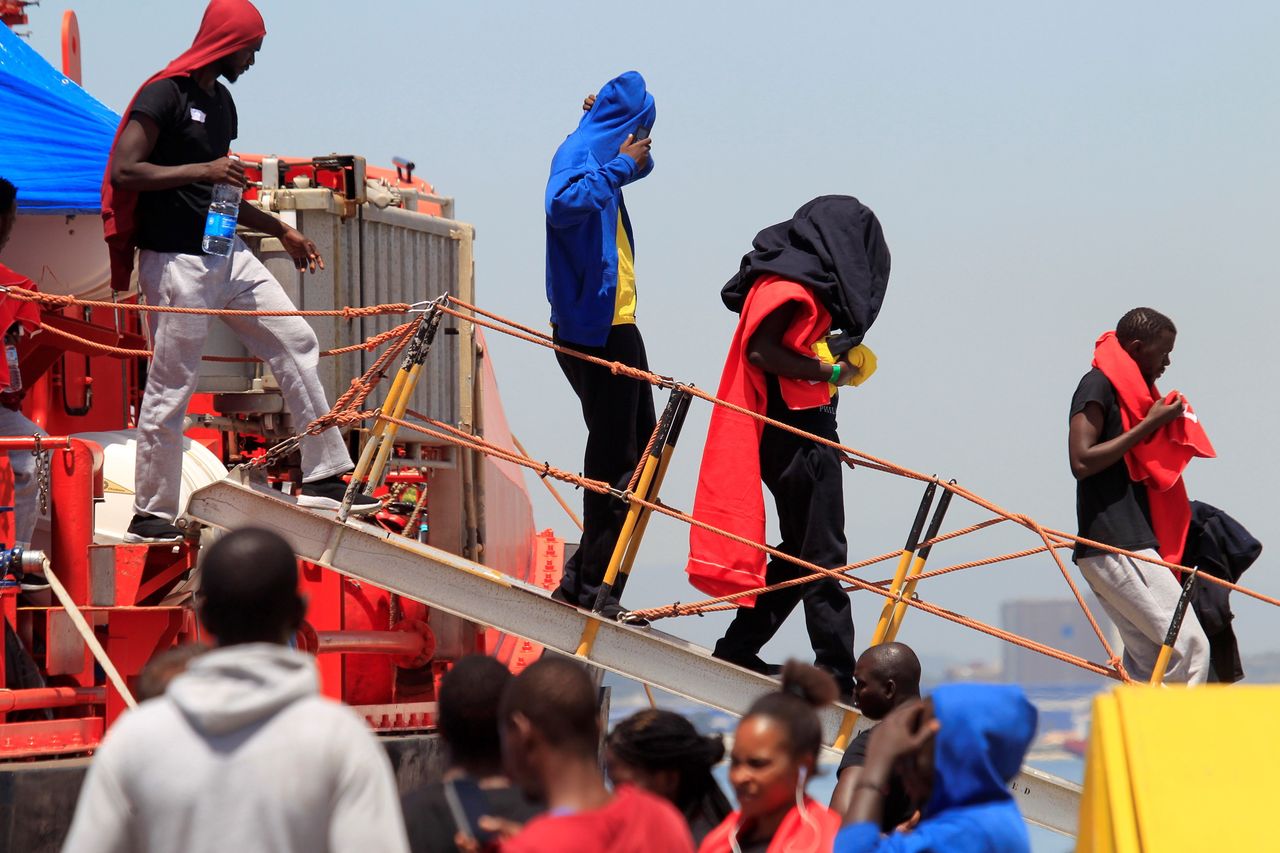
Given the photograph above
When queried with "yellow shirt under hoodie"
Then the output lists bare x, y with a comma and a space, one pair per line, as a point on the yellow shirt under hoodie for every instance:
624, 304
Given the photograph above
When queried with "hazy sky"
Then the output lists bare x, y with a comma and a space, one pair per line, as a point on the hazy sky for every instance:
1038, 169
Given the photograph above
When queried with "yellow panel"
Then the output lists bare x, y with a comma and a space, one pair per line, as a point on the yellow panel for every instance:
1094, 833
1200, 765
1115, 765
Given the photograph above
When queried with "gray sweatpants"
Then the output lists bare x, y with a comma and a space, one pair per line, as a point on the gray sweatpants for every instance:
25, 488
1140, 599
287, 344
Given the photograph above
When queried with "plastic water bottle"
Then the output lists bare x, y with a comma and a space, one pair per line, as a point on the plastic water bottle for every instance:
220, 224
11, 356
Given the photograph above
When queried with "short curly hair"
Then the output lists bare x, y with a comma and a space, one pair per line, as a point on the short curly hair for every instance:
1143, 324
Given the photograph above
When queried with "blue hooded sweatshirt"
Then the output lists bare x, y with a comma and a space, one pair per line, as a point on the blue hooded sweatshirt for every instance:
985, 732
584, 204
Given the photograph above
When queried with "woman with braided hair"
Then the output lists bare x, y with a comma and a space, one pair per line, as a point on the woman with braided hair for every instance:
661, 752
775, 753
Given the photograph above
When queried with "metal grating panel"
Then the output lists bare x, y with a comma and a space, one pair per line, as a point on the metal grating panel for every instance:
375, 257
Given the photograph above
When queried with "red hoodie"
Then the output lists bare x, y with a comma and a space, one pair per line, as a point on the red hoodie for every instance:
1159, 460
632, 822
730, 495
227, 26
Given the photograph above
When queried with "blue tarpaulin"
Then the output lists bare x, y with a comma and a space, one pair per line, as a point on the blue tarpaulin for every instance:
54, 136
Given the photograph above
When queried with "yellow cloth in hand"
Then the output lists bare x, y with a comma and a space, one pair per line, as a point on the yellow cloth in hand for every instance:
863, 361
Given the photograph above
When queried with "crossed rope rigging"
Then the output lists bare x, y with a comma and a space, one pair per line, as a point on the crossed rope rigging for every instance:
350, 409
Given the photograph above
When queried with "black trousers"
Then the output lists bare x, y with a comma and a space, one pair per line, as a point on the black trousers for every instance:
805, 480
620, 418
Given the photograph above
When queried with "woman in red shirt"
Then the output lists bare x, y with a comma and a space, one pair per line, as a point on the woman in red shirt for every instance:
775, 753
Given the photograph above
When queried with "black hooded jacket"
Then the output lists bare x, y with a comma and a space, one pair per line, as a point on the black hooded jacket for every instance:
1218, 545
833, 245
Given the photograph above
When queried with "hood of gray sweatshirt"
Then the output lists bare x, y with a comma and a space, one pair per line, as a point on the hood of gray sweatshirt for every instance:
227, 689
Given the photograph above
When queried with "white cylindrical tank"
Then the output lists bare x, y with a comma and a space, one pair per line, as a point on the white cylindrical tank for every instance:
111, 517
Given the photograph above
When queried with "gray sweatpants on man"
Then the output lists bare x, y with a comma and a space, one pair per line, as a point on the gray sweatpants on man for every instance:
1140, 599
287, 344
26, 490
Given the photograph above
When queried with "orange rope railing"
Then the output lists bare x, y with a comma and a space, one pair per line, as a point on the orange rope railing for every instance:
56, 302
368, 344
348, 409
1054, 540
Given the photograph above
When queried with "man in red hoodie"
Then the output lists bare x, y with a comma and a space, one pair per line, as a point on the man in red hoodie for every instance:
170, 151
1114, 508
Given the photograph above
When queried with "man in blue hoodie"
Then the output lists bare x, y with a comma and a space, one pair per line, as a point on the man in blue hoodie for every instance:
591, 285
957, 752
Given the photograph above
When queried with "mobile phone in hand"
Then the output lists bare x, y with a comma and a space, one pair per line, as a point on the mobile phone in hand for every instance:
467, 804
642, 132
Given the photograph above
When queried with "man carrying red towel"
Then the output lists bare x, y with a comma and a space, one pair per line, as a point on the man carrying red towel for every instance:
1128, 447
170, 151
807, 294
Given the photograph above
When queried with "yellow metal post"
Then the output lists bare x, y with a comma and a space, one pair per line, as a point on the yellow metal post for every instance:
668, 450
1162, 664
376, 431
588, 638
643, 489
367, 475
1171, 636
900, 573
917, 566
397, 410
846, 730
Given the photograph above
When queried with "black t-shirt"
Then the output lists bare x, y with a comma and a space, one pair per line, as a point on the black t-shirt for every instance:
429, 822
1110, 508
897, 806
195, 127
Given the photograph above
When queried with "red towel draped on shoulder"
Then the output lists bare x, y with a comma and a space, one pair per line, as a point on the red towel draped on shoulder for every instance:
1157, 462
227, 26
730, 495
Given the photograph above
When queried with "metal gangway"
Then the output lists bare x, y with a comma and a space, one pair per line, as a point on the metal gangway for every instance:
484, 595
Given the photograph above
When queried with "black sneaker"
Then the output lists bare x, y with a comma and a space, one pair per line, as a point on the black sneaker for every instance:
328, 494
753, 663
150, 529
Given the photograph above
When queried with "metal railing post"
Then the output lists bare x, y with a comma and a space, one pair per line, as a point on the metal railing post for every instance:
904, 561
917, 566
1175, 627
668, 450
644, 488
369, 469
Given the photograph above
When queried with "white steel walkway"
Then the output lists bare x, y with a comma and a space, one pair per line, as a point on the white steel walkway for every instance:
486, 596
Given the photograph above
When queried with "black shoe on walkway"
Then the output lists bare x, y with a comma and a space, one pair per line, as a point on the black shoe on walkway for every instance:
328, 494
150, 530
753, 663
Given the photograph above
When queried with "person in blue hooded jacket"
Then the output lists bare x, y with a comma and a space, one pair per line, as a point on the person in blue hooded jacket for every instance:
591, 285
957, 752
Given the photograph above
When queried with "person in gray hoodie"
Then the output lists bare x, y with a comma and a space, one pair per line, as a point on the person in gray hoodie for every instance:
241, 752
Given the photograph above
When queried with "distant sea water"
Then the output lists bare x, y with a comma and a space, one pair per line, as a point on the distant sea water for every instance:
1061, 708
